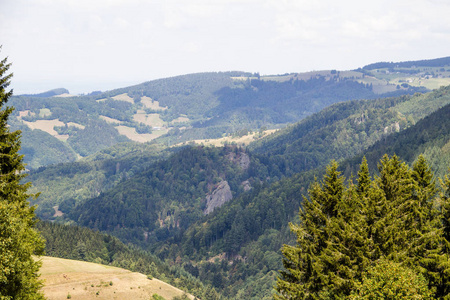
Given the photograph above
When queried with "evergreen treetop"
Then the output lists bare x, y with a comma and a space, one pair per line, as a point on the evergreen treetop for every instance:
346, 230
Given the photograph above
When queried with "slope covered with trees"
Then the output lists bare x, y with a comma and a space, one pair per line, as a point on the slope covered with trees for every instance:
68, 184
162, 201
183, 108
253, 226
346, 129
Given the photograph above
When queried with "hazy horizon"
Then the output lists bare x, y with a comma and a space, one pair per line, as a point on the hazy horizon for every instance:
85, 46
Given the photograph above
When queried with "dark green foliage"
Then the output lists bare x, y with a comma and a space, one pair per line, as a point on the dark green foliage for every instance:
169, 195
89, 141
345, 129
69, 184
431, 132
18, 238
344, 230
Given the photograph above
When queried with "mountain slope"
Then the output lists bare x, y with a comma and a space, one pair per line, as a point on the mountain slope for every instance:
345, 129
254, 226
163, 207
199, 106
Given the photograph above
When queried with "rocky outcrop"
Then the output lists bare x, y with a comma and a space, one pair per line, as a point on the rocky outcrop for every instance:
241, 158
218, 197
246, 185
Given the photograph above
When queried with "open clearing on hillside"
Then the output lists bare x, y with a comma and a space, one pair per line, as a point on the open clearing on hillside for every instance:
124, 97
84, 280
47, 126
180, 120
152, 104
240, 141
429, 83
153, 120
110, 120
131, 133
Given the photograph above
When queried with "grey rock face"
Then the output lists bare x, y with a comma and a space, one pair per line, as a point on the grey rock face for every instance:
218, 197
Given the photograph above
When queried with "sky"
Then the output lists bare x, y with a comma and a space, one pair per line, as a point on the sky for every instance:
87, 45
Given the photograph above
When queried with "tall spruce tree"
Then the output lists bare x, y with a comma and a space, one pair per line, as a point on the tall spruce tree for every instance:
346, 230
18, 239
310, 269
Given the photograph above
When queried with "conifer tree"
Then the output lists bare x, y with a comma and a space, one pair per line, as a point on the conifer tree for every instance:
346, 230
18, 239
393, 187
308, 275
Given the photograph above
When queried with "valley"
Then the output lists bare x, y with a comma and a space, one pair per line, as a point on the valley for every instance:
199, 175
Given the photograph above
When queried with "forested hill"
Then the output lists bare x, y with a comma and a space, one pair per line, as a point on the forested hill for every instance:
164, 207
430, 137
438, 62
346, 129
198, 106
168, 196
254, 226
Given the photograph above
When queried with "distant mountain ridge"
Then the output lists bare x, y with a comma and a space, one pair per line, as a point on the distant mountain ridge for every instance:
437, 62
201, 106
50, 93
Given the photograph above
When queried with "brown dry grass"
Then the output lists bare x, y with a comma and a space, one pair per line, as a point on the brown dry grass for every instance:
124, 97
152, 104
110, 120
47, 126
131, 133
153, 120
83, 280
241, 141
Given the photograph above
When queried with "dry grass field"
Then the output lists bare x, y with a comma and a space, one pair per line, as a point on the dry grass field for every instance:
124, 97
153, 120
47, 126
152, 104
71, 279
131, 133
240, 141
110, 120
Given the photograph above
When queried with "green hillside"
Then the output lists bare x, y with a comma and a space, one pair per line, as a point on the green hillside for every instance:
255, 226
346, 129
236, 246
219, 216
85, 179
198, 106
